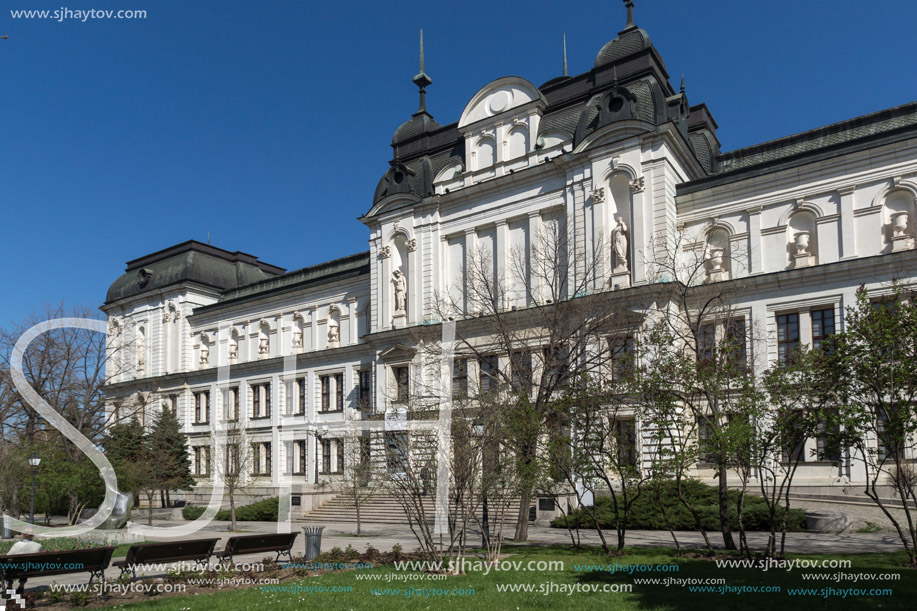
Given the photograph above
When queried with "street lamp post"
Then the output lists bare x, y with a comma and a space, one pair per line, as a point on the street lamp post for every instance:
34, 461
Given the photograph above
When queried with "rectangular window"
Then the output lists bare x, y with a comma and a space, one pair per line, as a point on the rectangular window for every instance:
487, 381
296, 460
232, 459
402, 383
890, 432
261, 459
261, 400
232, 404
625, 433
521, 366
301, 399
326, 393
366, 389
340, 455
202, 407
706, 343
822, 326
794, 440
555, 365
706, 436
326, 455
339, 391
459, 378
202, 461
787, 336
622, 352
827, 451
735, 341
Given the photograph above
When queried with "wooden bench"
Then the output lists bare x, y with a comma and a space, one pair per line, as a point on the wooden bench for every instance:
256, 544
43, 564
198, 550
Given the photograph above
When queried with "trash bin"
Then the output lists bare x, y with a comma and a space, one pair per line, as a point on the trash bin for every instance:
313, 541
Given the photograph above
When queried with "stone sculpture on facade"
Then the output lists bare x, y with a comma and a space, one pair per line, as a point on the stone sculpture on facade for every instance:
297, 339
141, 349
233, 351
334, 336
619, 243
400, 285
205, 353
264, 346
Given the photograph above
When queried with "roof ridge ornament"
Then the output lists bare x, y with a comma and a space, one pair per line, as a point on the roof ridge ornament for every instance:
422, 80
682, 84
630, 14
565, 54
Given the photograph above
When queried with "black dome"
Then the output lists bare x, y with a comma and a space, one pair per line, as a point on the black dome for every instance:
420, 123
630, 41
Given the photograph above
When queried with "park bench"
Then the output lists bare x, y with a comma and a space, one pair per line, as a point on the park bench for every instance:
198, 550
256, 544
44, 564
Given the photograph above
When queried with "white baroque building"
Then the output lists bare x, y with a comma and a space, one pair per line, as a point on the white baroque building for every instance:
803, 220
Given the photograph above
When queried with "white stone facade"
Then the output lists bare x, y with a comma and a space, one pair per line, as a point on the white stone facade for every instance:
804, 221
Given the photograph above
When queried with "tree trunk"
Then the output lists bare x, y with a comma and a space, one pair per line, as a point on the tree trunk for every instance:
357, 505
728, 541
522, 520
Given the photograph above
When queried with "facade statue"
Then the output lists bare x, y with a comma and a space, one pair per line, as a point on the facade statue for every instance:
619, 244
233, 351
141, 349
297, 338
334, 335
401, 289
264, 346
205, 353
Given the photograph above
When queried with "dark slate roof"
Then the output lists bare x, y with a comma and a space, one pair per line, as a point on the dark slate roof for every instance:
629, 41
193, 262
564, 119
420, 123
329, 271
836, 133
831, 140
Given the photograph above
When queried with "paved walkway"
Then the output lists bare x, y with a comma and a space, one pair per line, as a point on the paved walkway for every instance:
384, 536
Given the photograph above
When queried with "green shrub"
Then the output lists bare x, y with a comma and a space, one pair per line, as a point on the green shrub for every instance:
645, 513
265, 510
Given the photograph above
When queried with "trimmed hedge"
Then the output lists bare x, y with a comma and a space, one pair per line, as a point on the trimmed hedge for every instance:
260, 511
645, 513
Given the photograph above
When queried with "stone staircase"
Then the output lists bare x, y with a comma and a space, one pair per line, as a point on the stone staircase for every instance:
382, 508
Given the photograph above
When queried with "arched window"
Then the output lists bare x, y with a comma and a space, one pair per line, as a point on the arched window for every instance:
485, 153
517, 143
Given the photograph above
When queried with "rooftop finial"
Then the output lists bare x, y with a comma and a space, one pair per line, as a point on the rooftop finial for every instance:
614, 76
630, 13
422, 80
682, 84
565, 54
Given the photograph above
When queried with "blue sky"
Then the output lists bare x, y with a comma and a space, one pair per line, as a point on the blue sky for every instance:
267, 124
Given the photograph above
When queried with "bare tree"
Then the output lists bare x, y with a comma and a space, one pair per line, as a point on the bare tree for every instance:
532, 325
360, 478
233, 458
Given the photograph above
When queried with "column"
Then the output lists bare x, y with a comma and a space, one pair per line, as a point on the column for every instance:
354, 323
535, 254
848, 235
755, 265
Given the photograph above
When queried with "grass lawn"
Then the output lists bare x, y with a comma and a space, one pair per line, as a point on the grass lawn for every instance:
378, 594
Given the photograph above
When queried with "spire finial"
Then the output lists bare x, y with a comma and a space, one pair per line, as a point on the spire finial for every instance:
682, 84
614, 76
630, 13
422, 80
565, 54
